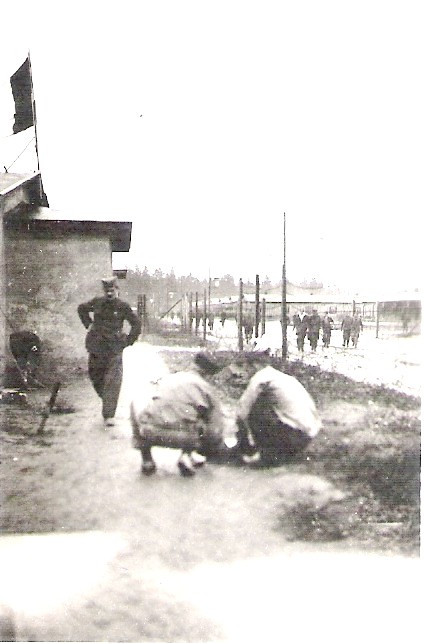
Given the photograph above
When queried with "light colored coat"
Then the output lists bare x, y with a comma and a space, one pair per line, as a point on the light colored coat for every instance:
179, 407
291, 402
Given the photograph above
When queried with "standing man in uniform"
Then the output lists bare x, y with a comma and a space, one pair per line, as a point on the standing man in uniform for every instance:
104, 319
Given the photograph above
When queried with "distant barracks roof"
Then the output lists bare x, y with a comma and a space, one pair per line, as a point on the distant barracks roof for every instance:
299, 295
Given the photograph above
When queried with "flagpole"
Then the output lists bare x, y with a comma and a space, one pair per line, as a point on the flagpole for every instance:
43, 197
34, 117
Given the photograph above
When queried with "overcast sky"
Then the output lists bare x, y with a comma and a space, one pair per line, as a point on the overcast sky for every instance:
249, 110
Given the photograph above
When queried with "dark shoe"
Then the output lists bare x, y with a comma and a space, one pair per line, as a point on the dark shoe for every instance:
185, 466
148, 468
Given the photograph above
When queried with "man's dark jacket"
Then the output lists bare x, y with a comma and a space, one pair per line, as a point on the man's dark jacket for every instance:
106, 318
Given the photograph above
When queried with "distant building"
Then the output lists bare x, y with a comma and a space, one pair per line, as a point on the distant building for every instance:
403, 307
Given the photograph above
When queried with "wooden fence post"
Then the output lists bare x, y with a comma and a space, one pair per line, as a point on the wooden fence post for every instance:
142, 312
190, 312
377, 319
146, 316
204, 314
240, 316
196, 313
263, 316
183, 311
257, 307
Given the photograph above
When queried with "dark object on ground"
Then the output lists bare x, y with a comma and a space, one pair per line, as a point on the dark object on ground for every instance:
26, 349
62, 409
206, 363
13, 396
49, 406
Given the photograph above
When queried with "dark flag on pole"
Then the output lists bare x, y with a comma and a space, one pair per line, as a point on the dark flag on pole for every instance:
23, 95
21, 83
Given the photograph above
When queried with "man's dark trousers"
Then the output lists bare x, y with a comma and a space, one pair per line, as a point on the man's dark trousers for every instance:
105, 372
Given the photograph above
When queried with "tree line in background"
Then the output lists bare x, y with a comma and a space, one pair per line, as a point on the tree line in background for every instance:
162, 290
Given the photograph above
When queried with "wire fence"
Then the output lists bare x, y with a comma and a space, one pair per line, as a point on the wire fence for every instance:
194, 313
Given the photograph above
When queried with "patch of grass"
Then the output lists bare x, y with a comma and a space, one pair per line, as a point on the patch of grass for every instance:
377, 462
316, 525
322, 385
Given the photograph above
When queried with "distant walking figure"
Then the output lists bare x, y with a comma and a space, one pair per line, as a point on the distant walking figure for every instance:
346, 329
314, 325
357, 327
327, 325
248, 323
198, 317
300, 324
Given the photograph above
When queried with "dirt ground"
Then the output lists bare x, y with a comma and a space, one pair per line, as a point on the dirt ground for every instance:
93, 551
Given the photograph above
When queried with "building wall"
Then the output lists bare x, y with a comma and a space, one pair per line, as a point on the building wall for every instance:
46, 278
3, 330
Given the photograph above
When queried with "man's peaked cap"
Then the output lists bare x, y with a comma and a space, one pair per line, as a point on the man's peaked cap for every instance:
110, 282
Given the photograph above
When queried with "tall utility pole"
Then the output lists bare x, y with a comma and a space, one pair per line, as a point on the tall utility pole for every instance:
284, 297
43, 197
209, 293
205, 314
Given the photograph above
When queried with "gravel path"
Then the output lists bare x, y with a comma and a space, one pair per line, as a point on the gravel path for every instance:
114, 556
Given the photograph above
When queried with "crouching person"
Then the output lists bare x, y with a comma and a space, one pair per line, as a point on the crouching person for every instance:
184, 413
276, 418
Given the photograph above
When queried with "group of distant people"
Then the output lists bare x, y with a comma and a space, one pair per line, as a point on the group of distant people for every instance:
310, 326
307, 326
351, 328
248, 322
210, 319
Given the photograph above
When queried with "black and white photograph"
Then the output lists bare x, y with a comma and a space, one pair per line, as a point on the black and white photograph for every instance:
210, 321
